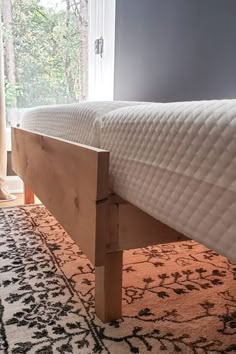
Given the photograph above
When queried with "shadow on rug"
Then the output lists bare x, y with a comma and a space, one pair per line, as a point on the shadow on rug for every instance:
177, 298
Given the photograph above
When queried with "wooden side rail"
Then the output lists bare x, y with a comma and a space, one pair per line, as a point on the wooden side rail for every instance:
71, 180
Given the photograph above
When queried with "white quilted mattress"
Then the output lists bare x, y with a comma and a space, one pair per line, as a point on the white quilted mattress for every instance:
74, 122
176, 161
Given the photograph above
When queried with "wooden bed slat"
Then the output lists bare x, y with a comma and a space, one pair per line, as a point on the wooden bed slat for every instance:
138, 229
130, 227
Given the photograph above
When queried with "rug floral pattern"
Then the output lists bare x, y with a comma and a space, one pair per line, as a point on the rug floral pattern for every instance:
177, 298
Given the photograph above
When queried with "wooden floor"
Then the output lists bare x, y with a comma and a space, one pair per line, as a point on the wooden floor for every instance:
18, 201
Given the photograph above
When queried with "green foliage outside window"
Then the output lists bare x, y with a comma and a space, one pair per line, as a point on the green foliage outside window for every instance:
46, 46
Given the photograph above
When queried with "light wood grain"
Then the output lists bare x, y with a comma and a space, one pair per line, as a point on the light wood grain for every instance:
71, 180
18, 201
108, 287
138, 229
131, 227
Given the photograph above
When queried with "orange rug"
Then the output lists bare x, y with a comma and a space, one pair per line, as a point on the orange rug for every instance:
177, 298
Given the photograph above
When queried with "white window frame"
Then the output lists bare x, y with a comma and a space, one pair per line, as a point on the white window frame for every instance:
101, 69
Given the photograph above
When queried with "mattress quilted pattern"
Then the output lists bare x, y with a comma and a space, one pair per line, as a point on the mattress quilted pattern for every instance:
73, 122
177, 162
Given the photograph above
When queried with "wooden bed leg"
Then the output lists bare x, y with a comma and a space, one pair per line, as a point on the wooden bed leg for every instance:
108, 287
28, 195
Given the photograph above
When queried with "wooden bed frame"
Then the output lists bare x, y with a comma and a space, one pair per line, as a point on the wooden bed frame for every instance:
71, 180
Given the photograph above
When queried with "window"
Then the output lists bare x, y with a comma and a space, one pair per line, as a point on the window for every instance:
49, 52
50, 57
46, 53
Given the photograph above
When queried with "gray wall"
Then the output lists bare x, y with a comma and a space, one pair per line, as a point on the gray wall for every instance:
173, 50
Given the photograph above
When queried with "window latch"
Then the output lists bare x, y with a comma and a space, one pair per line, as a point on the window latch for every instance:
99, 46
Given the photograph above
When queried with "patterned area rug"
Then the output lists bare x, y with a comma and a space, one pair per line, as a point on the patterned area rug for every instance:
177, 298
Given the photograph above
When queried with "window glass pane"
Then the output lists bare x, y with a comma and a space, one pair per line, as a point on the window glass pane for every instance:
46, 53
